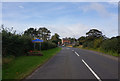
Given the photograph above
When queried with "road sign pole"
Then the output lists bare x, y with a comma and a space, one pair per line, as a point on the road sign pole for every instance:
40, 46
37, 41
34, 46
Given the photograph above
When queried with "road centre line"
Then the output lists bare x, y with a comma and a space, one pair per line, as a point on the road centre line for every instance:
76, 53
91, 70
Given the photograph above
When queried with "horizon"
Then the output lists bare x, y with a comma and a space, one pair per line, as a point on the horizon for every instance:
68, 19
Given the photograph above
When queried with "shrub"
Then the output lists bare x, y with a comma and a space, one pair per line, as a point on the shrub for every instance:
48, 45
18, 45
85, 44
14, 44
97, 42
45, 45
110, 45
118, 37
91, 44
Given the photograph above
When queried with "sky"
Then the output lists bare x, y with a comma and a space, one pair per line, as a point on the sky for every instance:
60, 0
68, 19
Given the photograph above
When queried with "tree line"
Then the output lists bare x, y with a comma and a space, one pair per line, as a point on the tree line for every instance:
19, 44
96, 40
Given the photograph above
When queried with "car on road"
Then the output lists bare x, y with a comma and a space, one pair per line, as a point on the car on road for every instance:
63, 45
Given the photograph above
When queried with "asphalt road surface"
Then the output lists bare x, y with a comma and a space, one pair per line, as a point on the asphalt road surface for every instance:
75, 63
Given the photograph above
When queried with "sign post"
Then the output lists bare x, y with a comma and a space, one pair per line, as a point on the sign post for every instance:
37, 41
34, 44
40, 46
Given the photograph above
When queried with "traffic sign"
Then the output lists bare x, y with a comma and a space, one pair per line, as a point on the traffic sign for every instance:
37, 41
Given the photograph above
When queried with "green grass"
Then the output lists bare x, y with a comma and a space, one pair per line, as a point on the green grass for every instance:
22, 66
102, 51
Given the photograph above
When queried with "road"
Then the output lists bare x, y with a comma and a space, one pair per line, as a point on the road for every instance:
75, 63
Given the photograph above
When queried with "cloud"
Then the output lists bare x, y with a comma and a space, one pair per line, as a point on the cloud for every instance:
99, 8
70, 30
74, 30
113, 3
20, 6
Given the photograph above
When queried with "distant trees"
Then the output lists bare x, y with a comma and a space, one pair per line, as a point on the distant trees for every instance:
72, 40
42, 33
93, 39
111, 44
81, 40
96, 40
55, 38
93, 34
31, 32
19, 44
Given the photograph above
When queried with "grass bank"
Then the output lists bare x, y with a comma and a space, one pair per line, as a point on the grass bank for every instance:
101, 51
22, 66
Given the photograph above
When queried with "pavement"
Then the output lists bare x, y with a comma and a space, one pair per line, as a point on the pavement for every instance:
75, 63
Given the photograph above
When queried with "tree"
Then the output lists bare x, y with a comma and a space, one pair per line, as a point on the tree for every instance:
44, 33
81, 40
31, 32
94, 33
72, 40
55, 38
98, 42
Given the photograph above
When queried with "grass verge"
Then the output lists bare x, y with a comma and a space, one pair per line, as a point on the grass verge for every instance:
101, 51
22, 66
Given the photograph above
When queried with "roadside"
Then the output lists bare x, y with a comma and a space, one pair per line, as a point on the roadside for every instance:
23, 66
113, 56
70, 63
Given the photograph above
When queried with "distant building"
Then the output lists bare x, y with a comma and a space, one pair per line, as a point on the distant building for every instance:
65, 41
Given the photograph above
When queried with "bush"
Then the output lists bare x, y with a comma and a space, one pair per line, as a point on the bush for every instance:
98, 42
91, 44
14, 44
88, 44
85, 44
110, 45
18, 45
48, 45
45, 45
118, 44
27, 43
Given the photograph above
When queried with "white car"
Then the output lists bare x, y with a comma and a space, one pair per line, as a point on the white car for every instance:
63, 45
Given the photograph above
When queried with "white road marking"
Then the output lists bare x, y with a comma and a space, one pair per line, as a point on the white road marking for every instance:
76, 53
91, 70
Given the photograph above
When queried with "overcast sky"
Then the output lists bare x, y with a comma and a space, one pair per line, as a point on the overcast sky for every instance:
68, 19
